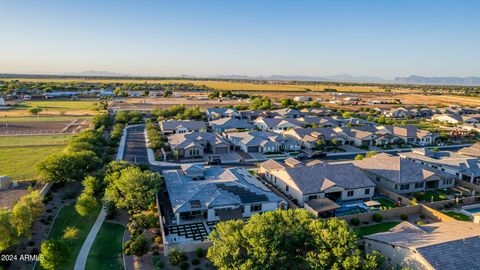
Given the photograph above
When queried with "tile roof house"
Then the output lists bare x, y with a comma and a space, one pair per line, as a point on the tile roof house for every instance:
262, 142
396, 112
214, 193
317, 111
304, 182
230, 123
473, 151
251, 115
196, 144
286, 112
450, 245
318, 121
411, 134
276, 124
365, 135
463, 167
401, 175
308, 137
217, 113
456, 118
181, 126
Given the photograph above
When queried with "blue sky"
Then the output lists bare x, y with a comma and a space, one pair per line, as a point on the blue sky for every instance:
257, 37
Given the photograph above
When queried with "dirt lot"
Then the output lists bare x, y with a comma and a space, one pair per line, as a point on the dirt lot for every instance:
45, 127
9, 197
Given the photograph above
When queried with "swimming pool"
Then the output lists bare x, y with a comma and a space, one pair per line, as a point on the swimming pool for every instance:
473, 210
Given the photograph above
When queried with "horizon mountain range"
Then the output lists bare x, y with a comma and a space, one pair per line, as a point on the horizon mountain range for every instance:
412, 79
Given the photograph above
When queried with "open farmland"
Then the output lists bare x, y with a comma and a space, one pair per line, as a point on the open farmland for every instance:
52, 108
19, 162
228, 85
41, 127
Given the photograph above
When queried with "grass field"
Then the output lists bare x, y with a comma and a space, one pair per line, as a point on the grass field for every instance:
52, 107
42, 118
19, 162
382, 227
106, 252
34, 140
457, 216
69, 217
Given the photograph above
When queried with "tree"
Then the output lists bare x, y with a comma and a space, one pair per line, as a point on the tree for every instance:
133, 189
86, 204
176, 256
35, 111
92, 185
167, 93
291, 239
8, 233
54, 253
359, 157
137, 246
34, 202
62, 167
22, 219
100, 120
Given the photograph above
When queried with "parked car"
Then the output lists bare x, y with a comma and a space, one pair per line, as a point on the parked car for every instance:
214, 160
302, 156
318, 155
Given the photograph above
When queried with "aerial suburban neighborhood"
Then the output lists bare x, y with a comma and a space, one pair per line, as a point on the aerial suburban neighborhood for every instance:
155, 135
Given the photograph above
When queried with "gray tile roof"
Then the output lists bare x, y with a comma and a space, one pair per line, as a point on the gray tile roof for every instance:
447, 245
172, 125
221, 187
230, 123
274, 122
197, 138
398, 170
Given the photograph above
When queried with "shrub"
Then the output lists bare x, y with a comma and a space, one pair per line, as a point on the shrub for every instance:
403, 217
355, 221
195, 261
200, 252
442, 196
377, 218
420, 223
422, 216
176, 256
184, 265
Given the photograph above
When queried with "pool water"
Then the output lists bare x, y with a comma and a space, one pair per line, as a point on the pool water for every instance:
473, 210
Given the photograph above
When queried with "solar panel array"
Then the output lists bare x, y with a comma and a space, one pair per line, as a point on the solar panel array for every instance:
245, 195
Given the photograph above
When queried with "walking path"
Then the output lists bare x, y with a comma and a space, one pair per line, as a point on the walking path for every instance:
87, 245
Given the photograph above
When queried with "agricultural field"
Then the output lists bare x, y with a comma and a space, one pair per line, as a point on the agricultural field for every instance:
57, 139
19, 162
79, 107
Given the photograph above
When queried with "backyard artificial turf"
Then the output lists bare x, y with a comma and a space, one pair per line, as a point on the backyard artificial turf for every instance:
381, 227
457, 216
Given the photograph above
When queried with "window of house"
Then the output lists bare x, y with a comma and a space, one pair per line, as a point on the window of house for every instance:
286, 188
367, 191
404, 187
255, 208
350, 193
312, 197
419, 185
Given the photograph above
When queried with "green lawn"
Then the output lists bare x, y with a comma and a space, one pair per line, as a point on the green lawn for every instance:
385, 202
69, 217
382, 227
19, 162
42, 118
106, 252
34, 140
457, 216
438, 195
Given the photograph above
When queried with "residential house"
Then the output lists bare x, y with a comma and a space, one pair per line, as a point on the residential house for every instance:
450, 245
230, 123
411, 134
286, 112
473, 150
318, 121
217, 113
251, 115
364, 135
322, 111
276, 124
345, 122
302, 98
309, 137
402, 175
262, 142
199, 193
196, 144
463, 167
181, 126
305, 182
396, 112
456, 118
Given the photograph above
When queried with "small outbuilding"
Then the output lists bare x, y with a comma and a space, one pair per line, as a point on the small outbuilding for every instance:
5, 182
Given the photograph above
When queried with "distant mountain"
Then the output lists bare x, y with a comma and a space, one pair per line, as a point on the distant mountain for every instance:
466, 81
97, 73
335, 78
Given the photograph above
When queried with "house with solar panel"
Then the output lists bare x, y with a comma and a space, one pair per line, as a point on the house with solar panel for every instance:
207, 194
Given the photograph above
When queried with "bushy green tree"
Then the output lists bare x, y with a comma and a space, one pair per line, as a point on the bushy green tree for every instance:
359, 157
132, 188
85, 204
22, 219
8, 233
54, 252
287, 240
100, 120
